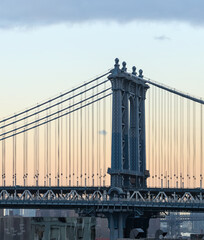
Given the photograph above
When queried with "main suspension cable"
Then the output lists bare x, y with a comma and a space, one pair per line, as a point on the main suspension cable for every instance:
51, 106
55, 113
55, 98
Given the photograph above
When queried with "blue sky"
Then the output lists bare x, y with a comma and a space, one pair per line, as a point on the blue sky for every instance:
47, 47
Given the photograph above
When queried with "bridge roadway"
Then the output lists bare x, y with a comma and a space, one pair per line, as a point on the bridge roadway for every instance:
98, 200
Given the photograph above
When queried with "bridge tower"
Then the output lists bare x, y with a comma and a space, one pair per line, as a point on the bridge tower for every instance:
128, 159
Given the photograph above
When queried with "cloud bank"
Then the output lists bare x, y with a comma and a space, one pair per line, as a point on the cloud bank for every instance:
25, 13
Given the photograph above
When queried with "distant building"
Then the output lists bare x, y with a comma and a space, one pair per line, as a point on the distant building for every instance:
19, 212
15, 228
22, 228
55, 213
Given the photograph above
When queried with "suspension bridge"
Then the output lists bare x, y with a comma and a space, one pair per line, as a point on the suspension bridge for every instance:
120, 145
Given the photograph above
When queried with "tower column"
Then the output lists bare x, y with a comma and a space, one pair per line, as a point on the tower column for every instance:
116, 153
117, 224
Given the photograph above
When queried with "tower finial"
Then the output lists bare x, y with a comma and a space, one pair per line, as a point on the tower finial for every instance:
116, 70
117, 63
134, 71
116, 66
124, 69
141, 73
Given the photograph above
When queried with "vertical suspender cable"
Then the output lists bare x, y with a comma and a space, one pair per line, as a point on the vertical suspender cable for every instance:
159, 135
174, 139
58, 149
99, 140
14, 157
3, 159
46, 150
73, 142
151, 137
168, 138
170, 146
97, 136
85, 140
162, 138
26, 162
156, 142
2, 163
148, 136
149, 133
25, 149
81, 135
181, 140
175, 156
24, 154
188, 142
88, 135
69, 147
45, 153
154, 128
56, 154
194, 144
49, 149
77, 147
61, 144
177, 142
165, 140
104, 138
153, 134
37, 153
111, 106
93, 139
66, 148
201, 145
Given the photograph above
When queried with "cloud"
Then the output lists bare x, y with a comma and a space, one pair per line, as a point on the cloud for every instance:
162, 38
102, 132
24, 13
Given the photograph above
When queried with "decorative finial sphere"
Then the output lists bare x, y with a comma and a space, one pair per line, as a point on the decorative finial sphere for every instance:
116, 61
141, 73
116, 66
134, 70
124, 69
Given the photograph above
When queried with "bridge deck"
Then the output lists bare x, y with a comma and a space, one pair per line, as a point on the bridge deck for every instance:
103, 199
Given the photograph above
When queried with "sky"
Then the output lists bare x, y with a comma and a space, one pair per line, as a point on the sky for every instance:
49, 46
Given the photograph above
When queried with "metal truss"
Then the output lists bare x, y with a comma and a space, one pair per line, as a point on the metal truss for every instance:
103, 200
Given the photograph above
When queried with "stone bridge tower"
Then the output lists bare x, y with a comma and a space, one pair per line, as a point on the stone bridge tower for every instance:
128, 159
